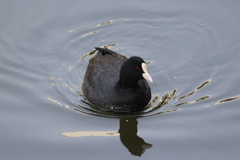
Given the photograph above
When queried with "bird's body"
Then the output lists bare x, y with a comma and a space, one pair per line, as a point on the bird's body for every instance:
104, 87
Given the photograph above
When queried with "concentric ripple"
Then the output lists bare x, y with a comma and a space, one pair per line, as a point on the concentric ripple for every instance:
169, 102
191, 68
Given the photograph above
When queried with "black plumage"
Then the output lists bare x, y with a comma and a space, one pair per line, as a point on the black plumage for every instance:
114, 83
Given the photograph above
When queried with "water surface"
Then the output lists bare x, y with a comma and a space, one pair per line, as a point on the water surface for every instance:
193, 50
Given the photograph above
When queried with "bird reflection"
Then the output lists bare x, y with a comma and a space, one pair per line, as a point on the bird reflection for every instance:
129, 138
128, 135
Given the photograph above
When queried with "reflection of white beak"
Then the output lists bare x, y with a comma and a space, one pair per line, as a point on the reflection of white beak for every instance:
145, 74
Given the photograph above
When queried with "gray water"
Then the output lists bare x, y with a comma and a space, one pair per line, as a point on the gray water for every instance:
194, 49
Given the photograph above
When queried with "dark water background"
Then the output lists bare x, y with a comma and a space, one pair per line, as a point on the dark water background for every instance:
194, 47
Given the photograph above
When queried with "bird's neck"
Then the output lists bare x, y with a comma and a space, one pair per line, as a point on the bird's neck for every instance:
127, 83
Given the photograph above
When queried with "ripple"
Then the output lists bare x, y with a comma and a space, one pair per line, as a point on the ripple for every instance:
189, 94
89, 33
104, 23
225, 100
182, 67
90, 133
158, 105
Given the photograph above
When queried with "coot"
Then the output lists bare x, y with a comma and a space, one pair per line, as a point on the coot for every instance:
114, 83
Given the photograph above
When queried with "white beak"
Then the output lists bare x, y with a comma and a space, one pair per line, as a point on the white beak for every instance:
145, 74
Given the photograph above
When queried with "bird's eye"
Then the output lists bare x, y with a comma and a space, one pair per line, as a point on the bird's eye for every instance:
137, 67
